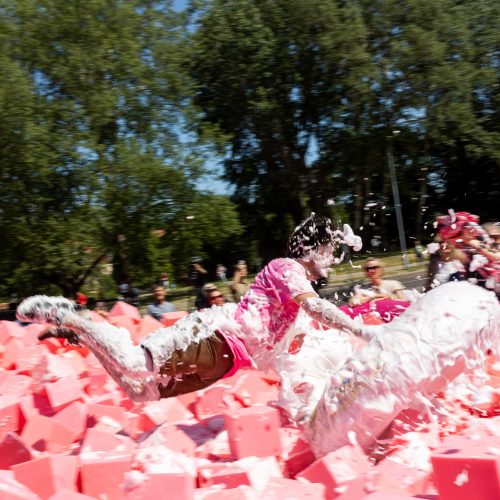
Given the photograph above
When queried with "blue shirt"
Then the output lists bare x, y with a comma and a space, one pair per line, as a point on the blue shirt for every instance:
156, 310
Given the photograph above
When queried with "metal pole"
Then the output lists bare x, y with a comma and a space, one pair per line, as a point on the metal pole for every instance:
397, 203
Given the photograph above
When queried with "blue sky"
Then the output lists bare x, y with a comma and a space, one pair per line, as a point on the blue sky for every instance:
214, 164
179, 4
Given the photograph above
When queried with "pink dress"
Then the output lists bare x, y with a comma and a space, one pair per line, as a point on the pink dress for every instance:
262, 319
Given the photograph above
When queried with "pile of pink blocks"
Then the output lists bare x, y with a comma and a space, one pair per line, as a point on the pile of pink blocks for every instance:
67, 432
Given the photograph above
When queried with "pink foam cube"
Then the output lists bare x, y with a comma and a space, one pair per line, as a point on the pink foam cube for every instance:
53, 345
31, 333
279, 488
398, 478
12, 489
123, 309
96, 317
69, 495
12, 352
215, 400
215, 449
168, 319
296, 454
226, 475
98, 441
337, 468
177, 486
30, 357
34, 404
96, 384
252, 471
124, 322
46, 434
77, 361
46, 475
172, 437
132, 425
251, 389
467, 469
10, 329
147, 325
64, 391
165, 410
99, 411
13, 450
254, 431
9, 414
74, 416
54, 367
218, 492
357, 488
386, 496
102, 476
14, 384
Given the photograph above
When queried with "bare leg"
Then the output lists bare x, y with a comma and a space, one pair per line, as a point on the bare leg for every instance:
129, 365
444, 334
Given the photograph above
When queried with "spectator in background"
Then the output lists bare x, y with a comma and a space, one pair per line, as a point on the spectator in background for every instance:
220, 272
419, 251
216, 298
452, 264
493, 230
433, 249
198, 278
239, 285
81, 301
377, 288
206, 290
481, 259
160, 306
164, 280
375, 242
124, 289
100, 308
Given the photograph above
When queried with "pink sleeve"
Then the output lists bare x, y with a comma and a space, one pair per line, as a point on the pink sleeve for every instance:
290, 280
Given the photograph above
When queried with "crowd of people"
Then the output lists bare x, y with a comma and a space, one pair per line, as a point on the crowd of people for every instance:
329, 384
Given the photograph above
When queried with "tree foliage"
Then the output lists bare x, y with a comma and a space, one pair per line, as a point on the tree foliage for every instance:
91, 107
310, 93
110, 109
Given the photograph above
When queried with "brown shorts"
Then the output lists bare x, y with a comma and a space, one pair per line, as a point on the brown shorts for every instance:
199, 366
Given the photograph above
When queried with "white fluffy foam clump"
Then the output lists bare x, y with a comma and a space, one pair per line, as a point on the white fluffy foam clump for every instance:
442, 335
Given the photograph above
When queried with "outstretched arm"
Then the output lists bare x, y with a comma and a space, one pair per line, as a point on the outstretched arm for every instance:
331, 316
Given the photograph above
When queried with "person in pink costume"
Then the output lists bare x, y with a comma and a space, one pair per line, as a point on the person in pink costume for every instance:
445, 333
215, 342
481, 258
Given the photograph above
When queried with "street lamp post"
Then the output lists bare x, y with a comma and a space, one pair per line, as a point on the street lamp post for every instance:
397, 202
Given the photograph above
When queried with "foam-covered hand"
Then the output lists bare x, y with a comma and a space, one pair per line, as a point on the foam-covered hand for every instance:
331, 316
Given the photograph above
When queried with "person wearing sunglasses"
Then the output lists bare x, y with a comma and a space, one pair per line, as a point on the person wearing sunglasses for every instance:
377, 288
216, 298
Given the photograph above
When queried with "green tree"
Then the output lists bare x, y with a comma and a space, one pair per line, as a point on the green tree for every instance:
92, 125
309, 93
266, 75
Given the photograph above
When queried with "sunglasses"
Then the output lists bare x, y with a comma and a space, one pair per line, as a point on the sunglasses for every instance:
368, 268
216, 297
